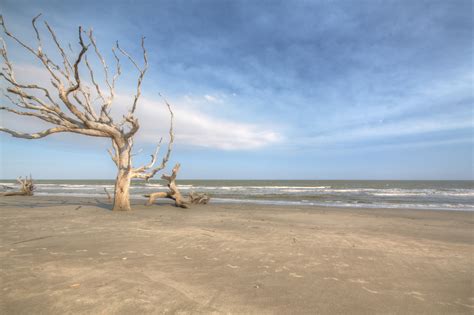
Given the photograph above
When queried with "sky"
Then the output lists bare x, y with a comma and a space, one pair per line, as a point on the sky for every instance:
269, 89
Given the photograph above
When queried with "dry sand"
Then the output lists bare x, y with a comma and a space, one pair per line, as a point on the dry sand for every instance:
76, 257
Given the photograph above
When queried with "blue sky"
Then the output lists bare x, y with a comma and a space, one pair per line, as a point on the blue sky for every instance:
272, 89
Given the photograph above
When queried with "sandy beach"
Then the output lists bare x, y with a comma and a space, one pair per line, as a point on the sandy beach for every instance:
76, 257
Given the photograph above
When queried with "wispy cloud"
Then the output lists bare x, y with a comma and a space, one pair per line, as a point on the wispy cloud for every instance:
199, 129
389, 131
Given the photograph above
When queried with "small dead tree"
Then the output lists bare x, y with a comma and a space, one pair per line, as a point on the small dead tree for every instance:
175, 194
26, 188
71, 105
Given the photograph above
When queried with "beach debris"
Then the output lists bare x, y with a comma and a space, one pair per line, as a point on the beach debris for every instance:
107, 193
175, 194
26, 188
33, 239
78, 207
187, 258
75, 285
232, 266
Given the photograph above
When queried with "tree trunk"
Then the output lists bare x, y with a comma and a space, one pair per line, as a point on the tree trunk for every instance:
122, 192
122, 183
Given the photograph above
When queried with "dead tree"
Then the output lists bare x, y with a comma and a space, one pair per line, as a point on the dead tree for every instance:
26, 188
175, 194
71, 105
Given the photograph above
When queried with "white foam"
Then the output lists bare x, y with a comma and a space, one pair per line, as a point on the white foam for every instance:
338, 203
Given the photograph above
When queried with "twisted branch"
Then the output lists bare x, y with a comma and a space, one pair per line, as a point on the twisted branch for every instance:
141, 172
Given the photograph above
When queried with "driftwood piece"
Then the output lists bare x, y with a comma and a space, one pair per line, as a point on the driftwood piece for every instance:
26, 189
175, 194
108, 194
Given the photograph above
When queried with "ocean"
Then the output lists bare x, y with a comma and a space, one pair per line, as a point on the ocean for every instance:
436, 195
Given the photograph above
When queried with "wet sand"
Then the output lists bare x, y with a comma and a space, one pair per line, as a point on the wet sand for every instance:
75, 256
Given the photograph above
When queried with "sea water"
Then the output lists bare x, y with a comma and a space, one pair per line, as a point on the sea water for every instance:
443, 195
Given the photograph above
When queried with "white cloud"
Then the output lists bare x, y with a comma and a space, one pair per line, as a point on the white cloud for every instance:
196, 128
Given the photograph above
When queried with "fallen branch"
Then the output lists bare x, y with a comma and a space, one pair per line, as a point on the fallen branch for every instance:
175, 194
27, 188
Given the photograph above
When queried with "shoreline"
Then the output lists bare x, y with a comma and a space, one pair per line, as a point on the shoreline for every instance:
258, 203
75, 256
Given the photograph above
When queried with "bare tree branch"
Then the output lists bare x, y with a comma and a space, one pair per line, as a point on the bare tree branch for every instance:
142, 72
141, 171
36, 135
67, 64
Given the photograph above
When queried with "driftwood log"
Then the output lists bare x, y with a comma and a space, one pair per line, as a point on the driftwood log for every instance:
175, 194
26, 188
